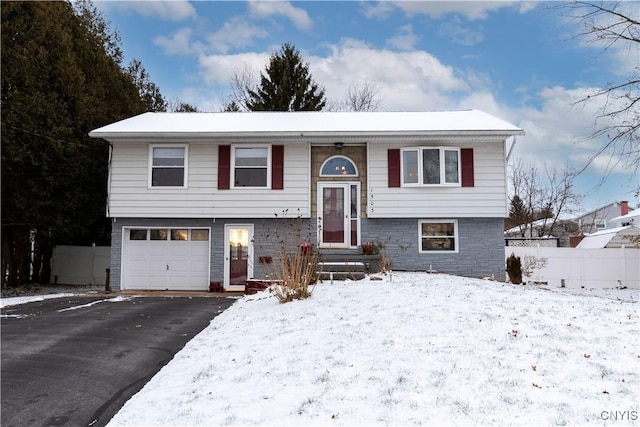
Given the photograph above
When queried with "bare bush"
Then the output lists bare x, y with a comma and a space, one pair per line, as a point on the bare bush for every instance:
294, 270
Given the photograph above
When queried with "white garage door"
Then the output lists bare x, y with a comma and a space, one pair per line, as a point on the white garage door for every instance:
166, 259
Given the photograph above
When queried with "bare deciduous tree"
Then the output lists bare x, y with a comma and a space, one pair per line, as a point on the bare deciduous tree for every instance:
545, 196
242, 83
359, 97
613, 25
363, 97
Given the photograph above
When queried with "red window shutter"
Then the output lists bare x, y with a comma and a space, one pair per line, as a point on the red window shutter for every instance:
466, 160
277, 167
224, 167
393, 159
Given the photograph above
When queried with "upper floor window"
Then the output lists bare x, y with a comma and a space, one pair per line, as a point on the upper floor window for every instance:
430, 166
600, 224
168, 166
338, 166
251, 166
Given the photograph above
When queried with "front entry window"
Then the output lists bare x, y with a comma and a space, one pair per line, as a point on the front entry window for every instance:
333, 215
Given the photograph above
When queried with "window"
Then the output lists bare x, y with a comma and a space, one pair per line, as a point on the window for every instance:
338, 166
160, 234
431, 166
199, 234
137, 234
179, 234
438, 235
600, 224
251, 167
168, 166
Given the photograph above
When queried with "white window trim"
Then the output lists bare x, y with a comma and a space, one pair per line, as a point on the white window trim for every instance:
456, 235
150, 185
355, 167
441, 151
232, 169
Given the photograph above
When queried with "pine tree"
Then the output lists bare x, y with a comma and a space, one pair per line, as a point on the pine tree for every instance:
287, 85
61, 78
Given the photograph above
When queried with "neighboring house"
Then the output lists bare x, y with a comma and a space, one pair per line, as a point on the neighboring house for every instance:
632, 218
601, 218
192, 196
628, 236
537, 233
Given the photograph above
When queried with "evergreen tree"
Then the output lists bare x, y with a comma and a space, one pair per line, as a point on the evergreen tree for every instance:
149, 92
61, 78
287, 85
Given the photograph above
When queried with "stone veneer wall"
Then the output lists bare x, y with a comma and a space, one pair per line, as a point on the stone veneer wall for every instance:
357, 154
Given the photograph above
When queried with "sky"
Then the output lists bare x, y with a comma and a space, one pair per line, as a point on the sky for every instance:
520, 61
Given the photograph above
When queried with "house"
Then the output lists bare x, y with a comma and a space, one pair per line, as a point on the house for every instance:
601, 218
631, 218
537, 233
193, 196
627, 236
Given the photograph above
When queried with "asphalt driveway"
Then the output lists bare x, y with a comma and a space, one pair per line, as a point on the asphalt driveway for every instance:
75, 361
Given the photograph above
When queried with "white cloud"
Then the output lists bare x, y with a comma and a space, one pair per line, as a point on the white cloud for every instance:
407, 80
379, 10
217, 70
177, 44
472, 10
405, 38
235, 33
459, 33
265, 9
170, 10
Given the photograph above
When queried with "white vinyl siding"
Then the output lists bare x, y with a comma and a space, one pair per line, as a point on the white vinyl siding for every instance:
130, 195
487, 198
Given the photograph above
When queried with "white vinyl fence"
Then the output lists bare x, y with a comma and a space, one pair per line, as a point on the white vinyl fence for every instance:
80, 265
588, 268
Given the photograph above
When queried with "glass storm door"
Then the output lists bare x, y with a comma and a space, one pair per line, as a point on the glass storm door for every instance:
238, 255
338, 214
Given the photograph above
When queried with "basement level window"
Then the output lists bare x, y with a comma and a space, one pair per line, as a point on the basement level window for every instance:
438, 235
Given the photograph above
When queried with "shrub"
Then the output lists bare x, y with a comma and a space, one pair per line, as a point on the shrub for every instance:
514, 269
294, 271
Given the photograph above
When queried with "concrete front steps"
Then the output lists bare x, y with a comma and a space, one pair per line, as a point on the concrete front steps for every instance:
345, 265
336, 265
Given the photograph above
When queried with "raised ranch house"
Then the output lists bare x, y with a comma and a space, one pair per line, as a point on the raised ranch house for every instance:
193, 195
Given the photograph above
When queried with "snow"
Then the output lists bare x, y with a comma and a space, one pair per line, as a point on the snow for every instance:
410, 349
306, 123
601, 239
8, 302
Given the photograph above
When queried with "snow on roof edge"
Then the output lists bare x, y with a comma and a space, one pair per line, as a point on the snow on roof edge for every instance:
322, 122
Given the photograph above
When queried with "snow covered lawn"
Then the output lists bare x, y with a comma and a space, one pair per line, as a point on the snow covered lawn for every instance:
415, 350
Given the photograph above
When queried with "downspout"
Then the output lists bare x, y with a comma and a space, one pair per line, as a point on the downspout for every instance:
511, 148
506, 175
109, 178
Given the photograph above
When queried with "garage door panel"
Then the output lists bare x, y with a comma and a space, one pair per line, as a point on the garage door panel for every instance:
170, 264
